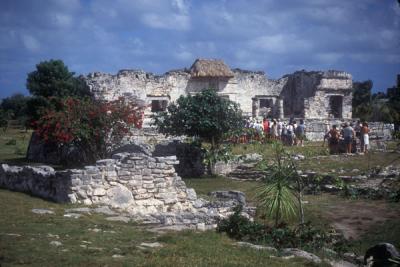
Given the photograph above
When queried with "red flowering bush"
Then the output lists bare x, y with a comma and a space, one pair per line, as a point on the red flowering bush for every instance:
93, 127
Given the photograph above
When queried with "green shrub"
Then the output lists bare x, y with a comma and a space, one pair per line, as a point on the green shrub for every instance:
11, 142
239, 227
304, 236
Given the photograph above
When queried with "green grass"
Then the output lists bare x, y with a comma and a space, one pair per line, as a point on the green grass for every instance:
325, 164
386, 232
25, 241
203, 186
13, 145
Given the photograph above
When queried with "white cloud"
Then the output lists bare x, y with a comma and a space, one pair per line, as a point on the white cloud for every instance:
136, 46
30, 42
181, 5
280, 43
329, 57
183, 54
166, 21
62, 20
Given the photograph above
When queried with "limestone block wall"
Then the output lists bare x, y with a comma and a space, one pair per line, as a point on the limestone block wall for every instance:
316, 128
304, 93
135, 183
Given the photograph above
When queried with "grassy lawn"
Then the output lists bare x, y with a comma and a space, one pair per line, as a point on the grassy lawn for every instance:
311, 150
92, 241
13, 145
203, 186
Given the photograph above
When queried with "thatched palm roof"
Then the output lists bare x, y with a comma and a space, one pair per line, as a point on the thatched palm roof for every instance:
210, 68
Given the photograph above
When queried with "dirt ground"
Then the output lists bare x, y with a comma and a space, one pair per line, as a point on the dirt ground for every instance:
355, 217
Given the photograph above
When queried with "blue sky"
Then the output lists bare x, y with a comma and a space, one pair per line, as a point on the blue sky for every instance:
275, 36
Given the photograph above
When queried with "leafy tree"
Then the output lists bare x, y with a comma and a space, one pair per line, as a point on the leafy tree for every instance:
52, 78
91, 126
362, 99
4, 117
50, 82
205, 116
16, 104
393, 95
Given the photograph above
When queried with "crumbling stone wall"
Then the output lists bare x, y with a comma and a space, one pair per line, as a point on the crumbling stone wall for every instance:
301, 94
307, 94
136, 183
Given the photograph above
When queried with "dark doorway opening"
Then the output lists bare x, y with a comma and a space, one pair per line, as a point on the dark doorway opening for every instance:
336, 106
159, 105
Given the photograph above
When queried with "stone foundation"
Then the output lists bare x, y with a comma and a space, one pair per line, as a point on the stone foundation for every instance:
147, 188
133, 182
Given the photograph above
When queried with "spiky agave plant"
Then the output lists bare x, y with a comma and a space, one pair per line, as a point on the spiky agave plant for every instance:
276, 196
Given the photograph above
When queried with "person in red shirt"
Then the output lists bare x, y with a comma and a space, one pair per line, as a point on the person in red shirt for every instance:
266, 127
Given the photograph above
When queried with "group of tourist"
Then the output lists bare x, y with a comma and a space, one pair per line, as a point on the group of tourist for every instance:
348, 134
290, 133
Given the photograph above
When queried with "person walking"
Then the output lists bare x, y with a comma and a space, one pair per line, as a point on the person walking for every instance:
348, 135
266, 128
365, 137
301, 133
274, 130
290, 134
333, 140
280, 125
326, 134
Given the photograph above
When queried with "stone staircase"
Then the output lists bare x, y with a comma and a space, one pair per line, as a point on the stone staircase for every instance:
246, 172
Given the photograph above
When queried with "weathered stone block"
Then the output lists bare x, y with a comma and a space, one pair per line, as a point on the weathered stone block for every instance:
146, 172
99, 192
143, 196
159, 180
123, 173
161, 185
148, 186
139, 191
120, 195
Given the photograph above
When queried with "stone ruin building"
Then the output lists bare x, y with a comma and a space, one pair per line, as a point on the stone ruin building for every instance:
303, 94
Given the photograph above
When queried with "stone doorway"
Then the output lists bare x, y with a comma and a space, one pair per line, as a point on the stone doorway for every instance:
159, 105
262, 107
336, 106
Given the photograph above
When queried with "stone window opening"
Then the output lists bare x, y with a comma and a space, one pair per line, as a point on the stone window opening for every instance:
336, 106
265, 103
159, 105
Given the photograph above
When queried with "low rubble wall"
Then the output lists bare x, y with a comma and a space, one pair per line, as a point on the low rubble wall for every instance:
134, 182
146, 188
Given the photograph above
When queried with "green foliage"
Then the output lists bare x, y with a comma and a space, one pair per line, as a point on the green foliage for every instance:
16, 105
204, 115
377, 107
277, 198
221, 153
11, 142
50, 82
239, 227
52, 78
36, 106
4, 117
304, 236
